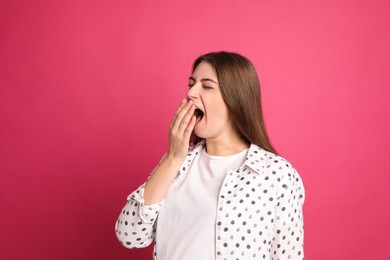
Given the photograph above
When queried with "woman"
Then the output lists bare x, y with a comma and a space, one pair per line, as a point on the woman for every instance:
227, 195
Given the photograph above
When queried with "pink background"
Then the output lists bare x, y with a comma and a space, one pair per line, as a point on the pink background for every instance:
88, 89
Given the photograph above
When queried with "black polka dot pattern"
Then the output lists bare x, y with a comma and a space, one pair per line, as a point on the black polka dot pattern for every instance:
259, 212
136, 223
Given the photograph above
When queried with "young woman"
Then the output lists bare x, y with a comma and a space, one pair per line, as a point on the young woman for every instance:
227, 195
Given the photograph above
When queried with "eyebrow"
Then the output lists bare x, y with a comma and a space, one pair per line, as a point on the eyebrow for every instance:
205, 79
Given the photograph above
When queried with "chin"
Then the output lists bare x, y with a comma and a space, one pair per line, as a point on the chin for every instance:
200, 134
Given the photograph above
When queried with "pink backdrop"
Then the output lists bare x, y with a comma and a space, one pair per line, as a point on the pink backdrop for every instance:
88, 89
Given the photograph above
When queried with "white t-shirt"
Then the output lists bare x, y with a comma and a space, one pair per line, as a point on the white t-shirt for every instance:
186, 222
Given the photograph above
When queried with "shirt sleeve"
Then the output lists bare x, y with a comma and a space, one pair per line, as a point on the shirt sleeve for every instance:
287, 242
135, 227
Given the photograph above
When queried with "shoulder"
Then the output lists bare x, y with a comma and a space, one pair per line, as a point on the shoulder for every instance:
264, 161
273, 167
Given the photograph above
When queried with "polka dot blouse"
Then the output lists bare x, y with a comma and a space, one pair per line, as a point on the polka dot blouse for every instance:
259, 211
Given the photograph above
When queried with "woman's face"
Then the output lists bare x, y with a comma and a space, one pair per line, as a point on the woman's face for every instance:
212, 114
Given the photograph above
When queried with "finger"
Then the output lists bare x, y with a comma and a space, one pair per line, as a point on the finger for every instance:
182, 114
190, 128
181, 105
186, 119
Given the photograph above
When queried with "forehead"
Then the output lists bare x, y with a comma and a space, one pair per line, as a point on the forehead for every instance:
204, 70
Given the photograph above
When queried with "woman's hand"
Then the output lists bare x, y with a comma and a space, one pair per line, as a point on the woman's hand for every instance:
183, 124
179, 137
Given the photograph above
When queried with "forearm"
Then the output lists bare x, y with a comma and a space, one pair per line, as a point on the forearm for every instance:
135, 226
136, 223
179, 137
158, 184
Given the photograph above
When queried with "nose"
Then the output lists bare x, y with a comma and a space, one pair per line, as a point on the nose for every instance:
193, 92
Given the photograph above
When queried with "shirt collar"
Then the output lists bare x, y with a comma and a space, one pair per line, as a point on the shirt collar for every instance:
255, 158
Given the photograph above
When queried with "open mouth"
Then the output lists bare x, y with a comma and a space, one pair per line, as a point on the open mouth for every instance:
198, 114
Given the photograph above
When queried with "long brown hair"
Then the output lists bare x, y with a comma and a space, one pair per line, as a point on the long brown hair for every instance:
240, 89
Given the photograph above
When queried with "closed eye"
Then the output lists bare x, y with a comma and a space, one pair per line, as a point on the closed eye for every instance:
191, 82
207, 87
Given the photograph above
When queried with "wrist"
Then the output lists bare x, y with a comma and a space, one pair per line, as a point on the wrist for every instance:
173, 160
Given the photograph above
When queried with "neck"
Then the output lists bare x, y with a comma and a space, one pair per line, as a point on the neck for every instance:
225, 146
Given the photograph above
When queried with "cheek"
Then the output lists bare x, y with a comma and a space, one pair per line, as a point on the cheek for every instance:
215, 107
219, 111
